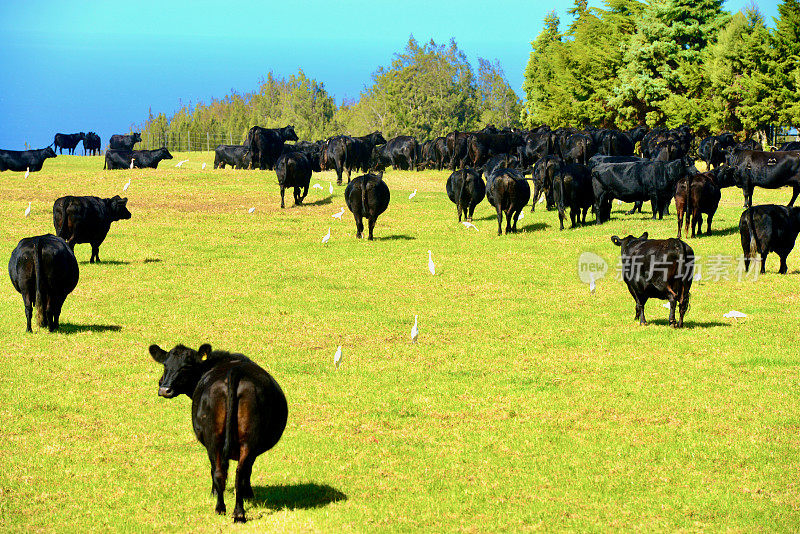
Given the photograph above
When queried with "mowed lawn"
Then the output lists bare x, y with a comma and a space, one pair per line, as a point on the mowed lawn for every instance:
528, 402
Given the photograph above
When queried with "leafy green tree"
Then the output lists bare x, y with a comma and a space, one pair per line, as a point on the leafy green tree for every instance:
786, 40
500, 105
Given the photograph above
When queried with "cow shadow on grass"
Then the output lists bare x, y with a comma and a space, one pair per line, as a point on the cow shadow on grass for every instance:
296, 496
320, 202
69, 328
396, 237
688, 324
720, 231
107, 262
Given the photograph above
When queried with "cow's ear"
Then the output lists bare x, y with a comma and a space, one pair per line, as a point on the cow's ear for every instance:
616, 241
644, 236
158, 354
204, 352
123, 201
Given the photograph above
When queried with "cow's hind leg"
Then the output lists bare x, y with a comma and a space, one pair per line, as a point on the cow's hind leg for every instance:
95, 253
242, 485
283, 190
28, 312
795, 192
219, 476
683, 305
359, 225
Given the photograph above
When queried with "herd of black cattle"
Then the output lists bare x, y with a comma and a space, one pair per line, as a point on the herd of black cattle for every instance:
575, 170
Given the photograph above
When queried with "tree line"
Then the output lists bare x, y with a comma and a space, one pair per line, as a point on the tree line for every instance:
427, 91
664, 63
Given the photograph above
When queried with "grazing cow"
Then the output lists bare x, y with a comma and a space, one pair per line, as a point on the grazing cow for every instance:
402, 152
238, 411
266, 144
124, 142
695, 195
68, 141
91, 143
770, 170
44, 271
578, 148
790, 146
572, 188
657, 268
769, 228
87, 220
237, 156
636, 181
713, 149
367, 196
22, 160
360, 152
466, 189
509, 193
294, 170
336, 155
142, 159
481, 146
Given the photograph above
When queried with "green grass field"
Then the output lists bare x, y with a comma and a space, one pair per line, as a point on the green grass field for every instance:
528, 402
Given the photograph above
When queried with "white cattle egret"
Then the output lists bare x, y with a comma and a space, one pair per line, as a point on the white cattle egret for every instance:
131, 163
251, 210
734, 314
337, 357
127, 185
338, 215
28, 210
469, 225
541, 199
591, 283
697, 277
412, 195
27, 172
316, 186
330, 188
521, 216
666, 305
326, 237
619, 202
414, 331
180, 163
203, 166
431, 265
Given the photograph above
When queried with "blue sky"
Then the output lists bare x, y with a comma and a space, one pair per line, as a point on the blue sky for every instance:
80, 66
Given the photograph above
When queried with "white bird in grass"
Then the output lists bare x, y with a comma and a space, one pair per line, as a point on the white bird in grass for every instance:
251, 210
414, 331
337, 358
180, 163
27, 172
697, 276
28, 210
591, 283
412, 195
541, 199
733, 314
330, 188
338, 215
127, 185
326, 237
619, 202
666, 305
131, 163
316, 186
431, 265
203, 166
469, 225
521, 216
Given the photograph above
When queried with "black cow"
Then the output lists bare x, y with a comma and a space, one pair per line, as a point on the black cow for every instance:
427, 156
294, 170
657, 268
44, 271
402, 152
615, 143
124, 142
367, 196
237, 156
266, 144
572, 188
142, 159
457, 145
713, 149
21, 160
440, 152
87, 220
509, 192
238, 411
91, 143
770, 170
578, 148
360, 151
336, 155
481, 146
68, 141
668, 150
769, 228
695, 195
465, 188
636, 181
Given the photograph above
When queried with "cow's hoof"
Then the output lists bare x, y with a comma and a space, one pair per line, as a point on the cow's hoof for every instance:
220, 510
238, 517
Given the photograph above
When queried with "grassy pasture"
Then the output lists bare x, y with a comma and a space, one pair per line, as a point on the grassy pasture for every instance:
527, 404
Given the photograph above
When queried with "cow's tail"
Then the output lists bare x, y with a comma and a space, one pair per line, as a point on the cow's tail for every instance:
364, 208
37, 266
561, 192
231, 412
461, 190
751, 227
61, 231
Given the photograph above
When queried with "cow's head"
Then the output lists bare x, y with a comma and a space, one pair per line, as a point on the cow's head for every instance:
289, 135
625, 242
49, 152
137, 137
183, 368
81, 136
377, 138
118, 208
164, 153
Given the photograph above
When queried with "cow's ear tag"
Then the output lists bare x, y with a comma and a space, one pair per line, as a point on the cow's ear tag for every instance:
204, 357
